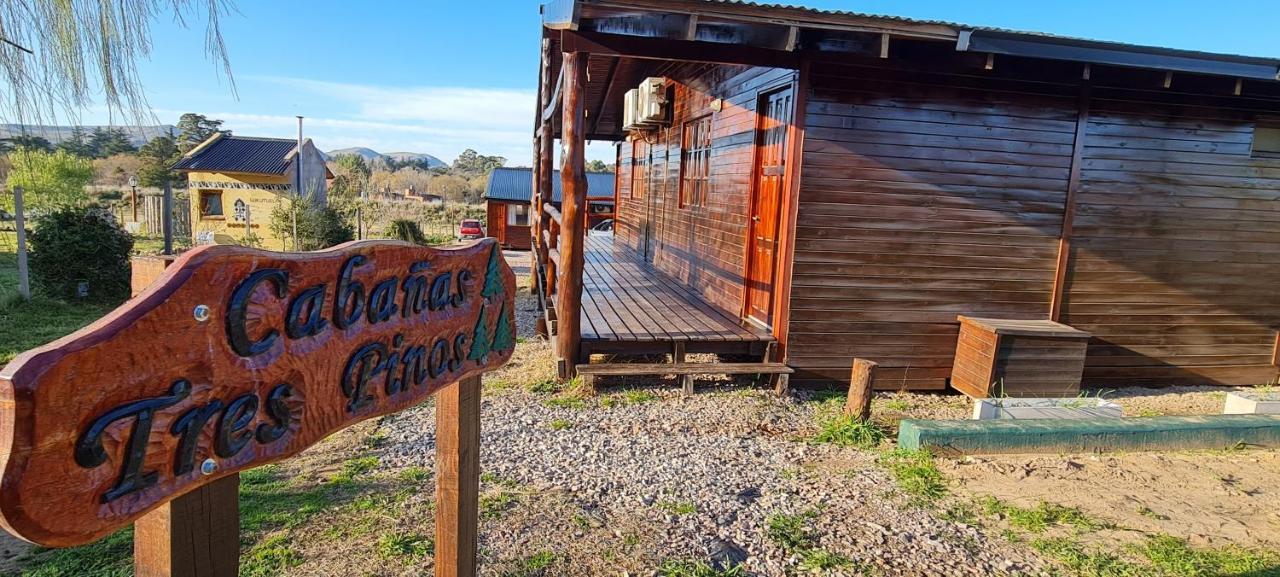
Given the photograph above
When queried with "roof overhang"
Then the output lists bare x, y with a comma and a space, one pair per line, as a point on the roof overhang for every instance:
1116, 54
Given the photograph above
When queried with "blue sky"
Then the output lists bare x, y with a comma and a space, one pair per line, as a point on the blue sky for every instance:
439, 76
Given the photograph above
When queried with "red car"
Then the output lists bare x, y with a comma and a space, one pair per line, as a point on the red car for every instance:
470, 229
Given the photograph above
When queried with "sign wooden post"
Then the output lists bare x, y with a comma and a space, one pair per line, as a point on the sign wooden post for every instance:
239, 357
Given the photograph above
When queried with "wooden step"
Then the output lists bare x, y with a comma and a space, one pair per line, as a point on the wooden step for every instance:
688, 371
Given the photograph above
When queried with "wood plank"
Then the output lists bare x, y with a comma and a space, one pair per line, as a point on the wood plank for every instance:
195, 535
685, 368
457, 478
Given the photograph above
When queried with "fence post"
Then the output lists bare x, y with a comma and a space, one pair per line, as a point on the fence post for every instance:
20, 223
166, 223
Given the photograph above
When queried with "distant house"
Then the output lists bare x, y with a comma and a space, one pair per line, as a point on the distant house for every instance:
510, 191
235, 182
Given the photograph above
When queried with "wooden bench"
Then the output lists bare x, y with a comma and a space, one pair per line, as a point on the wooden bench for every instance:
781, 372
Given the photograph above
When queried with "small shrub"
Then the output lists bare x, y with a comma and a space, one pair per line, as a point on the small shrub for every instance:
561, 424
406, 230
74, 245
916, 474
791, 532
319, 227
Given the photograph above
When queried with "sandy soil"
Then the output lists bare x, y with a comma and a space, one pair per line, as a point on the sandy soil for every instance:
1210, 498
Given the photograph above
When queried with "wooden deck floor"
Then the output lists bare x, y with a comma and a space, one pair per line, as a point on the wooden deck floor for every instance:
630, 307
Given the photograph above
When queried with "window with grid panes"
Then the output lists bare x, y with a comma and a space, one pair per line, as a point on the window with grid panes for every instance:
695, 162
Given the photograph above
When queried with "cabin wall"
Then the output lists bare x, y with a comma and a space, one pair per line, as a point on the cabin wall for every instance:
1176, 245
923, 196
927, 193
704, 247
508, 235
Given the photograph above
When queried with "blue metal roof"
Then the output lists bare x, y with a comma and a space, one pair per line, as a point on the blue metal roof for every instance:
516, 184
241, 154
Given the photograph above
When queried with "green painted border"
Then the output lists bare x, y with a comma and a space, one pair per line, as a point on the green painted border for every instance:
1090, 435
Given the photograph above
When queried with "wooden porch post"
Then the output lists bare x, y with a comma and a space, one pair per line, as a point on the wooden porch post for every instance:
457, 478
573, 206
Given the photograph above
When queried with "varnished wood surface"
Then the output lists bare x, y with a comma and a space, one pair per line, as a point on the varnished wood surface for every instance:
59, 480
457, 478
628, 303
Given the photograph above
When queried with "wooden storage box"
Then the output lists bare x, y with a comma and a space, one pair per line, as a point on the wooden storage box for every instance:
1018, 358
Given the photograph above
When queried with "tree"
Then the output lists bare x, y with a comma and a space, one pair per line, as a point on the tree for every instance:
77, 144
350, 175
108, 142
27, 141
195, 128
450, 187
597, 166
318, 226
473, 163
116, 169
71, 51
49, 179
156, 157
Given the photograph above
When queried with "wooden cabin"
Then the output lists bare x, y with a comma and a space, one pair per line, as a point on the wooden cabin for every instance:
509, 193
848, 186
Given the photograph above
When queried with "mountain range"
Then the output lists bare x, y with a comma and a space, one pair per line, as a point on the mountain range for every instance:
371, 155
138, 135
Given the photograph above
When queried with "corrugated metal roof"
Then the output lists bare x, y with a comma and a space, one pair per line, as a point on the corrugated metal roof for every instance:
241, 154
516, 184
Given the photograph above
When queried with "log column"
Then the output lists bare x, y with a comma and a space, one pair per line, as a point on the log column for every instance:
573, 208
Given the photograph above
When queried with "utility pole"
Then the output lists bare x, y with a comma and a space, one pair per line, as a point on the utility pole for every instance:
297, 185
19, 221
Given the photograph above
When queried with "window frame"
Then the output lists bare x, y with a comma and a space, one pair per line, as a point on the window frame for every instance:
639, 168
695, 161
1270, 127
206, 193
516, 210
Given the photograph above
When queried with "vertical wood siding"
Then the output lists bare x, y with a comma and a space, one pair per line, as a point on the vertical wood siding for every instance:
923, 196
700, 246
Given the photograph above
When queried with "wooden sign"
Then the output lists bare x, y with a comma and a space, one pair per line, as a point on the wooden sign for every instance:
235, 358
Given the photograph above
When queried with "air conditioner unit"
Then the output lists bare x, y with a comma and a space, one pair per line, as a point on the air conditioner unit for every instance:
652, 106
630, 104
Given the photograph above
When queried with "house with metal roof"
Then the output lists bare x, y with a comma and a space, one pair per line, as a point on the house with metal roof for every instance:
236, 181
510, 192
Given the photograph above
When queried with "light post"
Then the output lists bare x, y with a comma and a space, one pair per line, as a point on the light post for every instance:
133, 196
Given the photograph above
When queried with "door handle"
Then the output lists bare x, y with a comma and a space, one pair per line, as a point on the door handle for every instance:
755, 219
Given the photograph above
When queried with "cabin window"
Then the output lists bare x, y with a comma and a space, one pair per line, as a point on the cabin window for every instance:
695, 162
1266, 140
517, 215
639, 158
211, 204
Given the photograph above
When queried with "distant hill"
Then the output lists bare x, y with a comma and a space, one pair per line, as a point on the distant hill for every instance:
370, 155
138, 135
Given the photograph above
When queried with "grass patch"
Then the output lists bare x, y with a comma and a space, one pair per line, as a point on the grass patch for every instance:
638, 396
1173, 556
679, 568
849, 431
354, 468
791, 532
270, 557
547, 386
818, 560
897, 405
414, 475
561, 424
1086, 563
410, 547
28, 324
534, 565
565, 402
269, 501
678, 507
110, 557
960, 513
915, 474
1044, 515
493, 506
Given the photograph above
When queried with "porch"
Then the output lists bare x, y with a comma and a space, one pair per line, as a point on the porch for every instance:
630, 308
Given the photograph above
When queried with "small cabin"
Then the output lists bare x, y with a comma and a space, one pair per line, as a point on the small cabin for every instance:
510, 192
840, 185
236, 181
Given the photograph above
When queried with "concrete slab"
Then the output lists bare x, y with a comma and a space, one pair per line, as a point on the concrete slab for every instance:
1252, 404
1090, 435
1045, 408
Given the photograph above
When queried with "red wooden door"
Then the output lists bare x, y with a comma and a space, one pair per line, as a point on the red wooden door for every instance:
774, 119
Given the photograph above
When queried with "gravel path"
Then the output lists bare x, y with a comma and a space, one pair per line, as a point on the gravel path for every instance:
700, 476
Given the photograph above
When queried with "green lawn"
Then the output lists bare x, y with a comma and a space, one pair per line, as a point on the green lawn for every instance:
24, 325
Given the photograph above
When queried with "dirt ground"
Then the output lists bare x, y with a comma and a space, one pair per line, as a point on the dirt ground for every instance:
1211, 499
